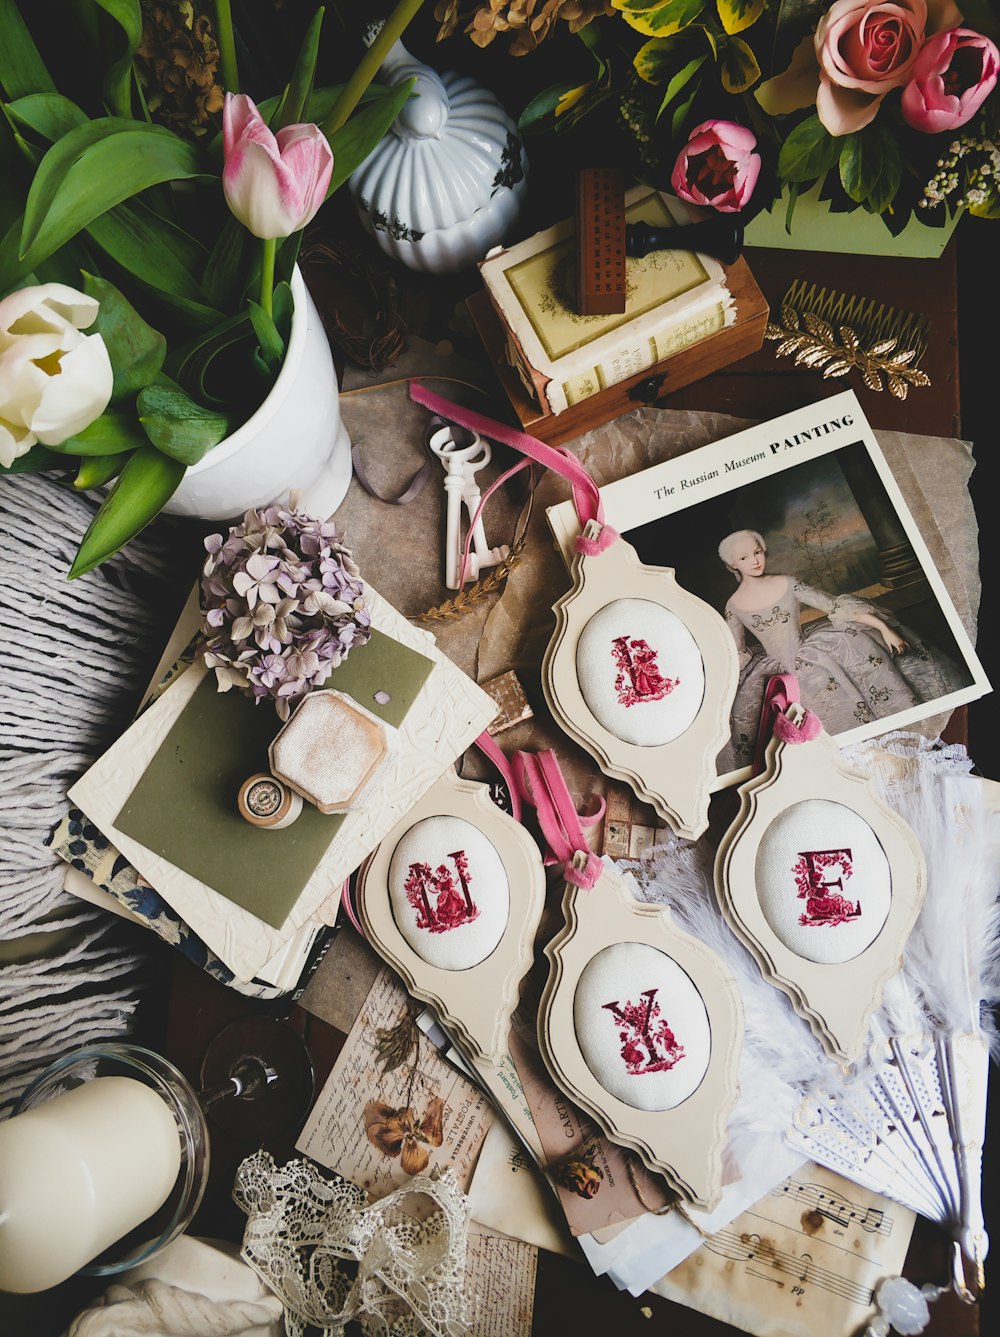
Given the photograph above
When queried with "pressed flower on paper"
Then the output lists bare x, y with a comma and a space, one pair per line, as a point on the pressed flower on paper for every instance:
580, 1173
398, 1132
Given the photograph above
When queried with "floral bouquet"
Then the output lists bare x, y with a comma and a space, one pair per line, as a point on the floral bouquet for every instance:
177, 204
284, 602
889, 104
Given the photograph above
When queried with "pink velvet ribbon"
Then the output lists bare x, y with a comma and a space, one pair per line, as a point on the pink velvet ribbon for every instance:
781, 692
490, 749
540, 781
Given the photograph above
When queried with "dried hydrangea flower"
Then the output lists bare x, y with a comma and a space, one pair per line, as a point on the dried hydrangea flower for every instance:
284, 603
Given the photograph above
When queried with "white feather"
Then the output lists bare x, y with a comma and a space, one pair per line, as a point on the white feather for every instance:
780, 1053
952, 959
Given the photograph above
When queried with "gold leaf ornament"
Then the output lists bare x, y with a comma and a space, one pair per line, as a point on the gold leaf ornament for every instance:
840, 349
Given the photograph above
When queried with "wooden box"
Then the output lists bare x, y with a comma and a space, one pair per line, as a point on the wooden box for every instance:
652, 386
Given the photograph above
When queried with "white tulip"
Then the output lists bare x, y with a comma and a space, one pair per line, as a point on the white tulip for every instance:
54, 380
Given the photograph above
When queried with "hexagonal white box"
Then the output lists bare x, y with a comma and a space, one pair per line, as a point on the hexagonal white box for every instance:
333, 752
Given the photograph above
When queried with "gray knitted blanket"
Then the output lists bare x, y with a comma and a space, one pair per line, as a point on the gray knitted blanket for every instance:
73, 661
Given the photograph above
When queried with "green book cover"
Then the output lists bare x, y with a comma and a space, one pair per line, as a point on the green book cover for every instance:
184, 806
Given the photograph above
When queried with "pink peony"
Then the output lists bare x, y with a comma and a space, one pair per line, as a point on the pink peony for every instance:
864, 49
274, 184
952, 77
717, 166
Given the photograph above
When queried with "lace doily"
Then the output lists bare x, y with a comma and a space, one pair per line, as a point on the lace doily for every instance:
305, 1232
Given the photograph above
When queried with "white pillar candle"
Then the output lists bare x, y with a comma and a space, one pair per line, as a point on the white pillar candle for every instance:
79, 1172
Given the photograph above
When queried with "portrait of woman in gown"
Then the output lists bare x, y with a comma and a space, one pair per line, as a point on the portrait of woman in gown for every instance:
854, 665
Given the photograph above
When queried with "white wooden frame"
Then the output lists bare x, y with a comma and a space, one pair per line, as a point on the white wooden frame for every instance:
475, 1004
684, 1144
676, 776
836, 999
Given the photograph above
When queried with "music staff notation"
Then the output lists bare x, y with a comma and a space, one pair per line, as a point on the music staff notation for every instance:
835, 1207
748, 1248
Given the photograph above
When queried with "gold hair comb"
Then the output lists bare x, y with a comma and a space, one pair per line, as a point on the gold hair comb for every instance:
835, 331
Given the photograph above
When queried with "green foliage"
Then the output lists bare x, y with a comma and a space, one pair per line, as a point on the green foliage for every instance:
739, 14
808, 153
661, 19
680, 81
178, 425
136, 350
93, 168
738, 68
22, 69
114, 432
118, 80
97, 470
871, 167
87, 201
145, 485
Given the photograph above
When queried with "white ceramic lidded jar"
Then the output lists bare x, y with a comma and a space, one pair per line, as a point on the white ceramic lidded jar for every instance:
448, 181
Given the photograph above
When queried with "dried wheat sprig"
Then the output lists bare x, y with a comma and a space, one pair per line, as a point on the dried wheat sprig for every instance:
466, 600
839, 350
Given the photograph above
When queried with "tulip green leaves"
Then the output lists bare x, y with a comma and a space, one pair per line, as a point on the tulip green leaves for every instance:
98, 196
147, 482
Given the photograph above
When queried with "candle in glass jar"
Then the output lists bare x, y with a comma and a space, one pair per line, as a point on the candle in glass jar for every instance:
77, 1173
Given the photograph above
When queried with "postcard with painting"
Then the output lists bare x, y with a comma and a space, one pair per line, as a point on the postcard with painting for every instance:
798, 534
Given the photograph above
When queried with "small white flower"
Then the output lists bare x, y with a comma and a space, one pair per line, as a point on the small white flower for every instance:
54, 380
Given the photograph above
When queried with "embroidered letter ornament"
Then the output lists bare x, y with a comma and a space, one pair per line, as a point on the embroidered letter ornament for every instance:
449, 893
823, 881
640, 672
642, 1026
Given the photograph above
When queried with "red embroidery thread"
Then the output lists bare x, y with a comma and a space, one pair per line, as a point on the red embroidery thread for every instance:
639, 677
642, 1025
452, 907
822, 905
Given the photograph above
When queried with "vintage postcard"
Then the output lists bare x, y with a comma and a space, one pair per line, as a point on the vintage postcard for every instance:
500, 1282
798, 534
392, 1108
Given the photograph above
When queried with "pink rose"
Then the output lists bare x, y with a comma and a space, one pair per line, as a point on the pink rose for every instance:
952, 77
864, 49
717, 166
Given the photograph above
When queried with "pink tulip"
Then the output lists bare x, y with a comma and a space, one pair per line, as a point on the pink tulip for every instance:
274, 184
717, 166
952, 77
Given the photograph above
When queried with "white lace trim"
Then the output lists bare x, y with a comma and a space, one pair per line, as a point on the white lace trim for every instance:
305, 1232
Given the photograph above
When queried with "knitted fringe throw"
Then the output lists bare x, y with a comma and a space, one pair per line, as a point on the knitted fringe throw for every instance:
73, 655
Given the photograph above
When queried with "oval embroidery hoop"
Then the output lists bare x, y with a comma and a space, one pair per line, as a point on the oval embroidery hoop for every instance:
684, 1143
475, 1003
676, 776
836, 998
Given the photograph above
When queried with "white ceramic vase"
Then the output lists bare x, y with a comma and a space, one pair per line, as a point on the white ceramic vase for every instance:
294, 442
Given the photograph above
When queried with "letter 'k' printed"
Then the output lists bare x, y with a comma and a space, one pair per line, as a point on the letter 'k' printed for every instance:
647, 1042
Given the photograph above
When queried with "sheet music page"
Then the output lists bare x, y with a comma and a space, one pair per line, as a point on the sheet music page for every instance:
805, 1259
392, 1107
500, 1281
